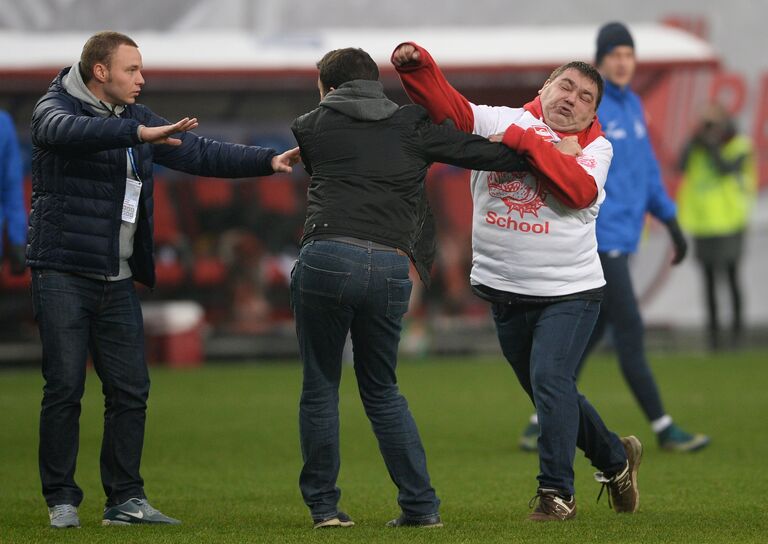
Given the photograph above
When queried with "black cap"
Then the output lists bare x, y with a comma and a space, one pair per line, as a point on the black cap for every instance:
611, 35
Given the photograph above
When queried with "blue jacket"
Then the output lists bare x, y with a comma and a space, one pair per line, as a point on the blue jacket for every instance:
13, 213
78, 182
634, 184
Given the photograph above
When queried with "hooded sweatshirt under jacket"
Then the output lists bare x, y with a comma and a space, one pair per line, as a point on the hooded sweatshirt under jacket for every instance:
73, 83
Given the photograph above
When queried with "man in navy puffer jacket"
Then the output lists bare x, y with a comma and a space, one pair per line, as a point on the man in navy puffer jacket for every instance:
90, 237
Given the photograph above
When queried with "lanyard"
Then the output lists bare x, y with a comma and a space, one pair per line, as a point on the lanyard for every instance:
133, 163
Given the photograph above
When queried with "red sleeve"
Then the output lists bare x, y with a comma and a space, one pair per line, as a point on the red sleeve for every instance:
564, 177
426, 85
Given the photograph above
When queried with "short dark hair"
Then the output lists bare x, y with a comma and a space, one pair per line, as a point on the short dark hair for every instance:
342, 65
99, 50
586, 69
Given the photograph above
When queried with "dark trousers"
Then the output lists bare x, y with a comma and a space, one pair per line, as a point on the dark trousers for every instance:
544, 343
620, 310
712, 275
76, 315
337, 288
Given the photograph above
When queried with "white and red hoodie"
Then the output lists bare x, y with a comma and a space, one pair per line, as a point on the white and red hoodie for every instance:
533, 233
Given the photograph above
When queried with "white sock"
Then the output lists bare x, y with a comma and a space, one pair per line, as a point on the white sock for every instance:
658, 425
534, 419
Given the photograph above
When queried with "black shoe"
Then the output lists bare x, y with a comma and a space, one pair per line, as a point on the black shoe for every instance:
429, 522
340, 519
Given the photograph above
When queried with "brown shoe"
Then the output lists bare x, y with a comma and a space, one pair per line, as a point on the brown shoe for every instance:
551, 506
623, 495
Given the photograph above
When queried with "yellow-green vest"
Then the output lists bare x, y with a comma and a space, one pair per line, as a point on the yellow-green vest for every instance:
715, 204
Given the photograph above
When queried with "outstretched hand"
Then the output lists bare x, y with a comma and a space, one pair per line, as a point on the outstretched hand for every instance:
284, 161
405, 54
162, 135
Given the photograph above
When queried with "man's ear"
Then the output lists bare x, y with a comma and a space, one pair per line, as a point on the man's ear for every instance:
100, 73
547, 82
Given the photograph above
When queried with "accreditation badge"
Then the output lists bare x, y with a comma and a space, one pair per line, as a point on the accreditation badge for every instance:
131, 202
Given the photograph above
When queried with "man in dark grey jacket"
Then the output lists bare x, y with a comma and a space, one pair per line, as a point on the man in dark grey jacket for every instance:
90, 237
367, 214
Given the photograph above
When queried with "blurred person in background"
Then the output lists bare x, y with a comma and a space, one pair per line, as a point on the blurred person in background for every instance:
13, 213
715, 199
90, 238
634, 188
535, 260
367, 215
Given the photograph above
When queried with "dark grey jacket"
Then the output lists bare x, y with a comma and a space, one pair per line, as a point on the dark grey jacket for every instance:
368, 158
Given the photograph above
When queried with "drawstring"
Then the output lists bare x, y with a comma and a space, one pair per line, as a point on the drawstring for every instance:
110, 110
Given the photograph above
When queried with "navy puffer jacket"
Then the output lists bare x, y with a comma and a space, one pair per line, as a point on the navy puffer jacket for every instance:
78, 181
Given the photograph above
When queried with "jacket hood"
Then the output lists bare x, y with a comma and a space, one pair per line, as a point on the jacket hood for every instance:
361, 99
72, 82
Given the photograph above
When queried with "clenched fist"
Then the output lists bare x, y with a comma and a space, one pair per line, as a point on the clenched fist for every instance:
405, 54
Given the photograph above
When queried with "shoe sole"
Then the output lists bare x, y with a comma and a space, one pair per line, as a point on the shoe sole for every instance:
112, 522
633, 446
546, 518
414, 524
335, 522
698, 443
117, 523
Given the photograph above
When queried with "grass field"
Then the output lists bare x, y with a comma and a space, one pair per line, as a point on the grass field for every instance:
222, 454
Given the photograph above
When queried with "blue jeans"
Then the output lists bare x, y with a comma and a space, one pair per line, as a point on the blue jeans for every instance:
620, 311
337, 288
543, 343
76, 315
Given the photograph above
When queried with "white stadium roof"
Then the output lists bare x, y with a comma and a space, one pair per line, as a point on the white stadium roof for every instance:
499, 47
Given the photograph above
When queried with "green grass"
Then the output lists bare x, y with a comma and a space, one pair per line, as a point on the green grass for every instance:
222, 454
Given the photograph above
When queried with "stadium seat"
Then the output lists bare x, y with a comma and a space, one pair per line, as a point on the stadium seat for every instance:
169, 270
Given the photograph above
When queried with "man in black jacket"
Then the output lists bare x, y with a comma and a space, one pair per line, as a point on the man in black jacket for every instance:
90, 237
367, 214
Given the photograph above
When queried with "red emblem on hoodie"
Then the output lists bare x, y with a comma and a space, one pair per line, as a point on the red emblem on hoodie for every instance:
520, 191
589, 163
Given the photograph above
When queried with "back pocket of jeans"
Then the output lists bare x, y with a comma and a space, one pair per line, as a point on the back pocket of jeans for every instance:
398, 295
321, 288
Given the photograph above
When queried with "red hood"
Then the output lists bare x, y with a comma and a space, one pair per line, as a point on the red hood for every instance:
585, 137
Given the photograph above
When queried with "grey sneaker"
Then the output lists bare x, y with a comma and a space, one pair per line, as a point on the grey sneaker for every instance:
135, 511
63, 516
529, 440
339, 519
